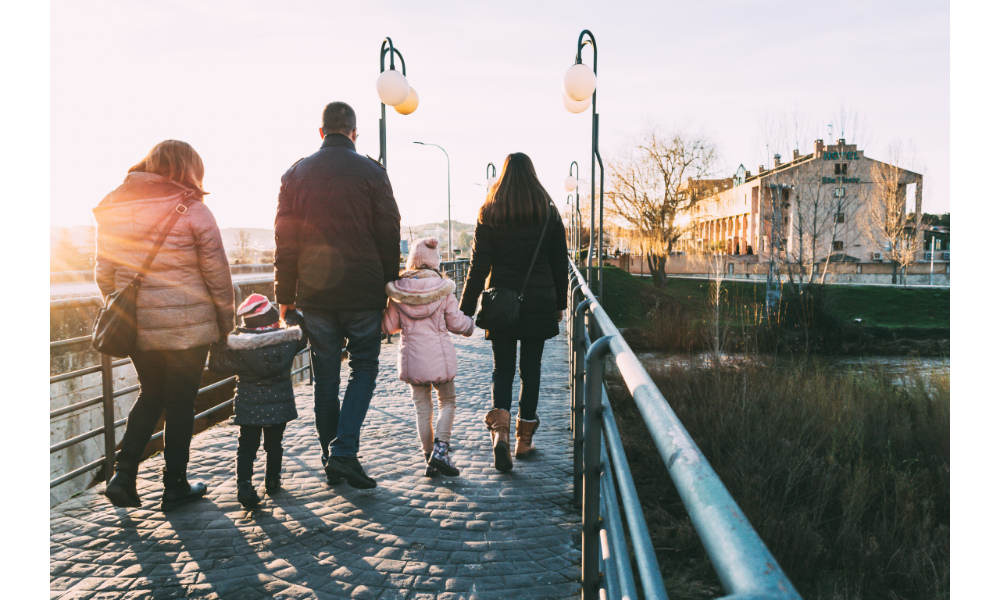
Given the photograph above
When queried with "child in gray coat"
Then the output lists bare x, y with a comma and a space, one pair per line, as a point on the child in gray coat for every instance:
260, 354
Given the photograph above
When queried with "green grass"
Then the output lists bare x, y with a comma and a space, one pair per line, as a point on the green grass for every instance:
626, 297
891, 307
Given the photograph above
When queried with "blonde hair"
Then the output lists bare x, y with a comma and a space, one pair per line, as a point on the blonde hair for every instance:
177, 161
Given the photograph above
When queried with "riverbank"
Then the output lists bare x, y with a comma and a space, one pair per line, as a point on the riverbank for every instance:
845, 476
690, 315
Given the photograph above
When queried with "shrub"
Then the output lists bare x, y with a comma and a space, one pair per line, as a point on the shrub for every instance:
845, 477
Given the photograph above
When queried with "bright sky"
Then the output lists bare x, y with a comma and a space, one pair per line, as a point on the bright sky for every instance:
245, 83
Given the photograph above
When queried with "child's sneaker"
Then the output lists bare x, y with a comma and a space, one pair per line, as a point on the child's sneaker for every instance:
429, 471
441, 460
246, 495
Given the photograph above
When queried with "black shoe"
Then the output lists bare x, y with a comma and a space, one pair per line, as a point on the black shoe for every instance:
178, 492
246, 495
429, 471
350, 469
121, 491
441, 459
272, 484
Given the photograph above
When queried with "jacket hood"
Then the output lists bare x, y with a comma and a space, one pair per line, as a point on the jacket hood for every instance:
147, 191
419, 297
253, 341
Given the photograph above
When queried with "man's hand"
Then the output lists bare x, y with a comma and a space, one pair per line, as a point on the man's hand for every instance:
283, 308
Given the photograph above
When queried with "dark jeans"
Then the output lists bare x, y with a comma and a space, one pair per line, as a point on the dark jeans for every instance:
504, 361
246, 452
339, 426
169, 381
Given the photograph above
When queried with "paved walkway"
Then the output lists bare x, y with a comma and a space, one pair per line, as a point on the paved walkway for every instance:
481, 535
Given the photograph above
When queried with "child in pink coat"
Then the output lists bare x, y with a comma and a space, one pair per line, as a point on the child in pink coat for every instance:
423, 306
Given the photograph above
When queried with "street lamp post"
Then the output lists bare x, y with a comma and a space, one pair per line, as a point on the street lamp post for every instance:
573, 184
393, 89
572, 224
580, 93
450, 250
490, 179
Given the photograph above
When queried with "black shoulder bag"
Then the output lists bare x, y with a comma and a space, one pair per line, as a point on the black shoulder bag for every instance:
115, 328
500, 308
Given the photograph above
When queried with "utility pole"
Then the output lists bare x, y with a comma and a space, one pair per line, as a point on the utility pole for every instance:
932, 259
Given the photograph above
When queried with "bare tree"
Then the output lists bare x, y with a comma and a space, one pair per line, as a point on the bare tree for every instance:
884, 221
244, 253
650, 188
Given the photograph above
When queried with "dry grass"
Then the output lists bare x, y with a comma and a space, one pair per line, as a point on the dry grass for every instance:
845, 477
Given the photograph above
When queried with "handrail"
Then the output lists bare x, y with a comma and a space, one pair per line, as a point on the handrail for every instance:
739, 557
109, 393
457, 269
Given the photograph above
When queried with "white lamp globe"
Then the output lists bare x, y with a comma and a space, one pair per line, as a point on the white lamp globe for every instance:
575, 107
392, 87
410, 104
492, 181
570, 183
579, 82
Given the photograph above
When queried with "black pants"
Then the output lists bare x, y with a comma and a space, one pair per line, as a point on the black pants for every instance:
246, 452
169, 382
504, 361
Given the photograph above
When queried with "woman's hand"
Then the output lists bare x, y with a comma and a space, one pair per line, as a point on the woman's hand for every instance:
559, 316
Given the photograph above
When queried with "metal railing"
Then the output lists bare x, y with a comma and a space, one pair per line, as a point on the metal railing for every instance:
739, 557
457, 271
108, 393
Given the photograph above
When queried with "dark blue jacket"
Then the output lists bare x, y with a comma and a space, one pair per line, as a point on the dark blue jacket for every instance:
336, 233
262, 363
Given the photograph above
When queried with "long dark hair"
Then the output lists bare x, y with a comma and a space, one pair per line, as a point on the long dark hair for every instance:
517, 198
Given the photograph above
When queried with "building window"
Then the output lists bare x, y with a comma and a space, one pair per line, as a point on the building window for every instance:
937, 244
836, 169
839, 217
838, 192
837, 245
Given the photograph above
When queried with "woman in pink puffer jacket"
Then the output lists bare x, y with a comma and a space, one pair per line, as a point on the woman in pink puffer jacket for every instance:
423, 306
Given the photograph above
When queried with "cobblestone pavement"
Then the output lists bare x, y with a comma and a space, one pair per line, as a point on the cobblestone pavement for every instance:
484, 534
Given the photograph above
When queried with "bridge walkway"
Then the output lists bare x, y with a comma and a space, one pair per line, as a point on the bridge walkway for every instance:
481, 535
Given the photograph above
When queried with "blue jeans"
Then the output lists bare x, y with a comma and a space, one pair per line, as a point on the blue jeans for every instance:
339, 427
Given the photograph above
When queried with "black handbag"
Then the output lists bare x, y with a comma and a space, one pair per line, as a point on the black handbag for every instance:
115, 327
500, 308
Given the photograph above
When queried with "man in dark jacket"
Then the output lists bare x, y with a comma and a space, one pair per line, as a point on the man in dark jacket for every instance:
337, 245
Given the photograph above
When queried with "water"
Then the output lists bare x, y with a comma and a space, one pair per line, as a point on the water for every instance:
901, 369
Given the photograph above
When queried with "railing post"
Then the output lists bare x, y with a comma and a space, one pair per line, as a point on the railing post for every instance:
108, 404
591, 544
576, 423
237, 300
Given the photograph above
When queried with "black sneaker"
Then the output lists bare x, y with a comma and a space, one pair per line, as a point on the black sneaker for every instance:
334, 479
247, 495
350, 469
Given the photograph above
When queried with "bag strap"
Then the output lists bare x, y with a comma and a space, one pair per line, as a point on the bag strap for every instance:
179, 210
548, 214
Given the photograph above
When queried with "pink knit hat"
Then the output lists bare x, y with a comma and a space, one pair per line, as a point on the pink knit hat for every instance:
424, 255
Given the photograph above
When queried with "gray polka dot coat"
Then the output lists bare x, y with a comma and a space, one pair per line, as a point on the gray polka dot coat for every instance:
262, 363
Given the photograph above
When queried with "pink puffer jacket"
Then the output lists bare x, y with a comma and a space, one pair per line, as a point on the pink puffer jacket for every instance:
424, 308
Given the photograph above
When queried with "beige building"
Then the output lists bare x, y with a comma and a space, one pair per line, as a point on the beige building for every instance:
819, 200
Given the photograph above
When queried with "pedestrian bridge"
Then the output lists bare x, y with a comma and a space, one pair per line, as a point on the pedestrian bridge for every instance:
484, 534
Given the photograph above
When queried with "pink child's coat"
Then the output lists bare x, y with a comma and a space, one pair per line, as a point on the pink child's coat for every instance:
423, 306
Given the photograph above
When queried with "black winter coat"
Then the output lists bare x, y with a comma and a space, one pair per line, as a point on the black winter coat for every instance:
504, 254
336, 233
262, 363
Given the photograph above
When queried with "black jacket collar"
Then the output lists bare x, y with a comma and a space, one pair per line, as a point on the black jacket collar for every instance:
338, 140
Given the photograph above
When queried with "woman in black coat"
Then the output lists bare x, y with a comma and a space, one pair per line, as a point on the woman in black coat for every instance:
508, 230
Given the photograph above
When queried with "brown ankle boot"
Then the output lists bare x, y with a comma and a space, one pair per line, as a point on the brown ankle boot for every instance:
498, 422
525, 430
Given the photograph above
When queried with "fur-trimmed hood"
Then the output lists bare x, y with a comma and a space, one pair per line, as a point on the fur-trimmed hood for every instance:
420, 289
253, 341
